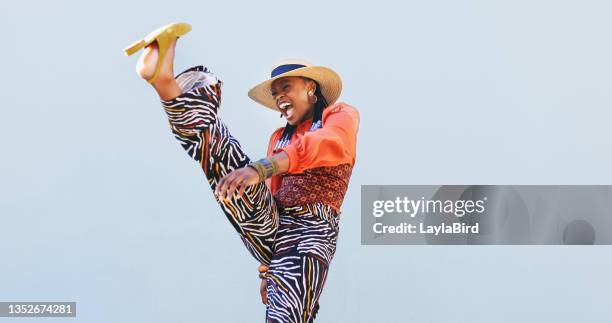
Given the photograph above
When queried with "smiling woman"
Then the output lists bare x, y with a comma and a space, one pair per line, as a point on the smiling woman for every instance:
289, 93
285, 207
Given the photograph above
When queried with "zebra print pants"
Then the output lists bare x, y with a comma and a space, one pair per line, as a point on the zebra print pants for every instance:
297, 243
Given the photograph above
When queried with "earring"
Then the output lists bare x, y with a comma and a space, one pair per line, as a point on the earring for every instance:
311, 95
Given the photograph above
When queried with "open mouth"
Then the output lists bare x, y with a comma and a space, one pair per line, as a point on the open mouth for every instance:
286, 109
284, 105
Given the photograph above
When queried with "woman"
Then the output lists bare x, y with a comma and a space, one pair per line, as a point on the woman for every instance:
285, 207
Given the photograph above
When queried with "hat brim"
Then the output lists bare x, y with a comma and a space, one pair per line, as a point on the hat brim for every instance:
329, 81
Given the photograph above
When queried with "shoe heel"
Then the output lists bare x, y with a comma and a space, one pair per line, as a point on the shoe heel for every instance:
133, 48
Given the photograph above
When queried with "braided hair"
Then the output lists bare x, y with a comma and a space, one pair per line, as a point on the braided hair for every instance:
317, 121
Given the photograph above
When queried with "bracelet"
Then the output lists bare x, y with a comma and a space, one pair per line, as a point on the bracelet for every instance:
259, 169
274, 163
265, 167
269, 169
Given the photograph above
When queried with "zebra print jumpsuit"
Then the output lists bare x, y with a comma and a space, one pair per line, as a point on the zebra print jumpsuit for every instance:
296, 242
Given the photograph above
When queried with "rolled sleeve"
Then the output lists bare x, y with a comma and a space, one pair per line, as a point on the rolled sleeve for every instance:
331, 145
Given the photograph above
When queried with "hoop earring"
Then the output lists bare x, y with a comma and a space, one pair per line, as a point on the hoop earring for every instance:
311, 95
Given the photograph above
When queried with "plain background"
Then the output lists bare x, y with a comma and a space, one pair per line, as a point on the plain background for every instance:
100, 205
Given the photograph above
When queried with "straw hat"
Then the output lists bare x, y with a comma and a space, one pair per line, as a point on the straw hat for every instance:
329, 81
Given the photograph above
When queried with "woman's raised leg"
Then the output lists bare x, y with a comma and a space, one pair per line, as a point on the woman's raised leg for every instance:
191, 101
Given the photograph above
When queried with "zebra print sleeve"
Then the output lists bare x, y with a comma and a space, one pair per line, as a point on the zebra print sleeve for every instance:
195, 109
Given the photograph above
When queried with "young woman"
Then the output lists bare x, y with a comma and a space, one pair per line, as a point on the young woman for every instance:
285, 207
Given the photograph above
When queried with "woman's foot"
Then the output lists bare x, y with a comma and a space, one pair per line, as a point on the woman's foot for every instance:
164, 84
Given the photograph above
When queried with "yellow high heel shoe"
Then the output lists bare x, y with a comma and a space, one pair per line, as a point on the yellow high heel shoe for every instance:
164, 37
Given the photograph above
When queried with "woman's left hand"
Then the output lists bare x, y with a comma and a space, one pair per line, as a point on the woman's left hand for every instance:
238, 179
263, 269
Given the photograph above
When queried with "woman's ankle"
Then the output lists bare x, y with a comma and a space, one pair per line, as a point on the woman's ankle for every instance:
167, 88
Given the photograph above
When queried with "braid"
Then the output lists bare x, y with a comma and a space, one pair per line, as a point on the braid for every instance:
317, 117
320, 105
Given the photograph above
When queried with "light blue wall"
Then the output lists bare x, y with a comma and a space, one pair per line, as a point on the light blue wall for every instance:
101, 206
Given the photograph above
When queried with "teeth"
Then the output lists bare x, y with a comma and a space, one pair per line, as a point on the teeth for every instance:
284, 105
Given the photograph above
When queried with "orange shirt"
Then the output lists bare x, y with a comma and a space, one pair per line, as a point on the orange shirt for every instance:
333, 144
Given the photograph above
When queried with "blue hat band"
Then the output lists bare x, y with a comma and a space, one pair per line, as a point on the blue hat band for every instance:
284, 69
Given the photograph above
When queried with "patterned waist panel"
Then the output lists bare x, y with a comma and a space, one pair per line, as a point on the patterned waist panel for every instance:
326, 185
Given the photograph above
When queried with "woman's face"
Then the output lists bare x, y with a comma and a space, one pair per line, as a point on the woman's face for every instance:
291, 96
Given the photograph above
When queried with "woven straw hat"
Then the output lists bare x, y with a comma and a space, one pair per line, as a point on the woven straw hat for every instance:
329, 81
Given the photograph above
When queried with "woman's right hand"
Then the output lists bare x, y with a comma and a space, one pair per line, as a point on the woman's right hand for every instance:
236, 182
